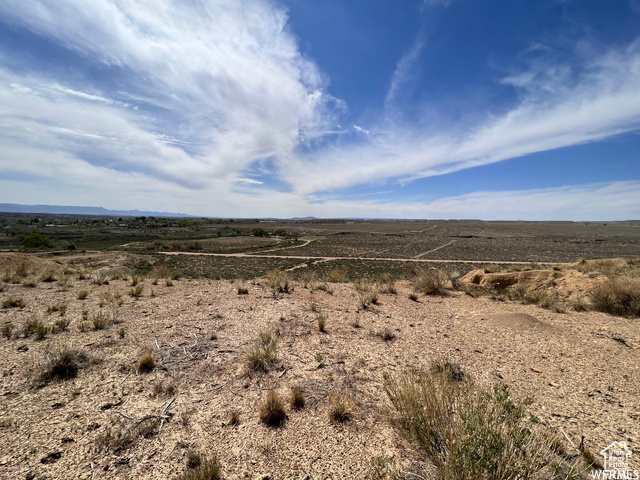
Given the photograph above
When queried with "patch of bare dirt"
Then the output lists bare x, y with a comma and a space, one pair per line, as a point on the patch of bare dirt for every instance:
580, 367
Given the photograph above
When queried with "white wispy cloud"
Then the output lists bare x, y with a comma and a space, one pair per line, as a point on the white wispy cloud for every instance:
402, 74
556, 109
224, 78
359, 129
602, 201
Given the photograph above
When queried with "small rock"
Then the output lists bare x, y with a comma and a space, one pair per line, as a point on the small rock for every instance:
537, 370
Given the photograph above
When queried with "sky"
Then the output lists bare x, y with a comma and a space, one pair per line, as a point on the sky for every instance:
439, 109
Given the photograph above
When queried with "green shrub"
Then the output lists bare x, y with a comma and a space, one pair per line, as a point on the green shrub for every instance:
41, 330
83, 294
31, 326
36, 240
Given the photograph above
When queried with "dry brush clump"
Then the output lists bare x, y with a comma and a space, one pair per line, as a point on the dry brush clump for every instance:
618, 296
431, 282
468, 432
278, 281
61, 364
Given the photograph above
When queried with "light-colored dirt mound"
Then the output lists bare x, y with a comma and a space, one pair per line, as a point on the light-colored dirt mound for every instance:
534, 279
26, 264
518, 321
563, 284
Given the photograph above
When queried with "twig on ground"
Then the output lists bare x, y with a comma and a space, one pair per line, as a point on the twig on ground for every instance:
569, 440
162, 417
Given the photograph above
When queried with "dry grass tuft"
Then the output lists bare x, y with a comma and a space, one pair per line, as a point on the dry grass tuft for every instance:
100, 278
194, 459
208, 470
278, 281
367, 295
338, 275
322, 322
100, 321
449, 369
272, 411
234, 418
7, 330
340, 406
387, 284
262, 353
146, 362
13, 302
297, 400
136, 292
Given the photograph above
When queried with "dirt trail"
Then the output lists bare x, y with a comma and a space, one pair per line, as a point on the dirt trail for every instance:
380, 259
435, 249
277, 249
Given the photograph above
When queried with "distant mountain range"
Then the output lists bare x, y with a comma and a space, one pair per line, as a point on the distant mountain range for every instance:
74, 210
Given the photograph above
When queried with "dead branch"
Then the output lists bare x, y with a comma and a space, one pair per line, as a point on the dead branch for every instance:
162, 417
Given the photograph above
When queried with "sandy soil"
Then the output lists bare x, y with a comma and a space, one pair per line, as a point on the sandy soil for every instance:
581, 368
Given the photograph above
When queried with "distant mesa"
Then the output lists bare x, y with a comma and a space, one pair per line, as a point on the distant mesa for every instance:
75, 210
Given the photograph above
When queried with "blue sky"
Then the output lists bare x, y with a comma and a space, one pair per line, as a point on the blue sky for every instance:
493, 109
